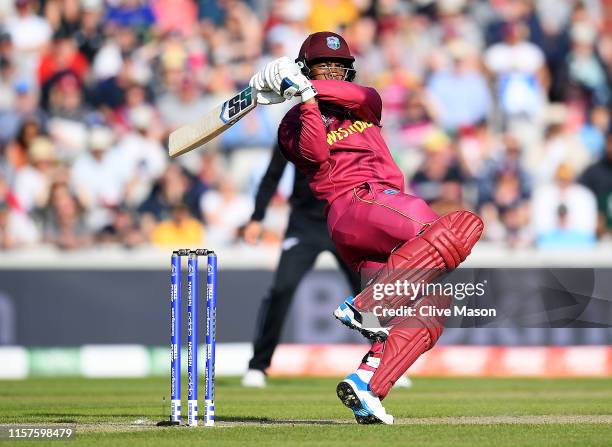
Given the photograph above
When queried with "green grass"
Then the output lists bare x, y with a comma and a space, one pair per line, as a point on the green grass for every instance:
280, 414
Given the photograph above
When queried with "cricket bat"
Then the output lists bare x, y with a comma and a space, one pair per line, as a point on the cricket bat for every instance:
194, 135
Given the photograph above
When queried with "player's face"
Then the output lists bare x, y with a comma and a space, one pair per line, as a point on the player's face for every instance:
329, 70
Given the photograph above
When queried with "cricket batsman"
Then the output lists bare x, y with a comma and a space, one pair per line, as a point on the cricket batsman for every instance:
334, 137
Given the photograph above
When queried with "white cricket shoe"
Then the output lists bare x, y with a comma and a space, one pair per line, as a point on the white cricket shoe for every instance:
403, 382
348, 315
254, 378
354, 392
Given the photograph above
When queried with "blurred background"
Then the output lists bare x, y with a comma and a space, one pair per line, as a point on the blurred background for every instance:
501, 107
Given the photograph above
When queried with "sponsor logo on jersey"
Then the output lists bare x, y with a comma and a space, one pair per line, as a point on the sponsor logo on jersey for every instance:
341, 133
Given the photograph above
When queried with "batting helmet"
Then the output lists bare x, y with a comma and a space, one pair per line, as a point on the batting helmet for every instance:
325, 45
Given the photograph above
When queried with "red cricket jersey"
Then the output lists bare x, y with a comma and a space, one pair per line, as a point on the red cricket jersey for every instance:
337, 142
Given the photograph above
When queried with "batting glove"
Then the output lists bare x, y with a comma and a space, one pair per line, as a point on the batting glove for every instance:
264, 94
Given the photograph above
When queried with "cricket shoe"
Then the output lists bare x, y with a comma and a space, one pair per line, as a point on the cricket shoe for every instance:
349, 316
354, 392
254, 378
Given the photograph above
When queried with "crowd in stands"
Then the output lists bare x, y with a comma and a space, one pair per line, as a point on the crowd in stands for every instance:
502, 107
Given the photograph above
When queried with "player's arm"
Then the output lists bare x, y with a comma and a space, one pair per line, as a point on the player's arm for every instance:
303, 133
253, 229
269, 184
364, 102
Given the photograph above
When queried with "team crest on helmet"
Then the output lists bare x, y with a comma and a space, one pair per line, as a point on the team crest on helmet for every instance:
333, 42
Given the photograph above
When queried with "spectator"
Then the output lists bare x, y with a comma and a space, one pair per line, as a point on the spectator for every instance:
25, 109
224, 212
95, 179
123, 229
89, 36
69, 116
143, 158
180, 230
438, 180
167, 192
593, 132
63, 223
564, 212
183, 105
329, 15
584, 67
559, 147
134, 14
62, 56
519, 73
179, 16
504, 164
460, 93
32, 181
598, 178
29, 33
17, 229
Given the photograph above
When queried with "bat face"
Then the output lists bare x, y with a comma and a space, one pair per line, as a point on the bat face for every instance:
217, 121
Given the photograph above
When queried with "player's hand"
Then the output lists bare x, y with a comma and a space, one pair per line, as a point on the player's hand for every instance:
286, 78
263, 93
294, 83
252, 232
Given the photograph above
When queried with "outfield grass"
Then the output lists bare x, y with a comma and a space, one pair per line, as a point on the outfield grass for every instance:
435, 412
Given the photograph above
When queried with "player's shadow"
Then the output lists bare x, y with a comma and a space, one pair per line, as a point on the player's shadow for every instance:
264, 421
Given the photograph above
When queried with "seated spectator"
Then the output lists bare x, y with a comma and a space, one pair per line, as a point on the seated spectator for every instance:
62, 57
593, 132
254, 130
16, 151
598, 178
167, 193
29, 33
68, 117
134, 14
123, 229
438, 180
515, 223
558, 147
90, 36
564, 212
563, 236
224, 212
63, 223
17, 229
25, 109
502, 165
184, 105
95, 180
32, 181
7, 81
584, 66
182, 229
519, 71
460, 92
141, 157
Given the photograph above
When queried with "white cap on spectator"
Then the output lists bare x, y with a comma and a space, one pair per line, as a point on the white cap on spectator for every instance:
92, 5
100, 138
583, 33
451, 6
42, 149
459, 49
295, 10
141, 117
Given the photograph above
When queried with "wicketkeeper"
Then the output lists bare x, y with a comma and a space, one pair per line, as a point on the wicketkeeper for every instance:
334, 138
